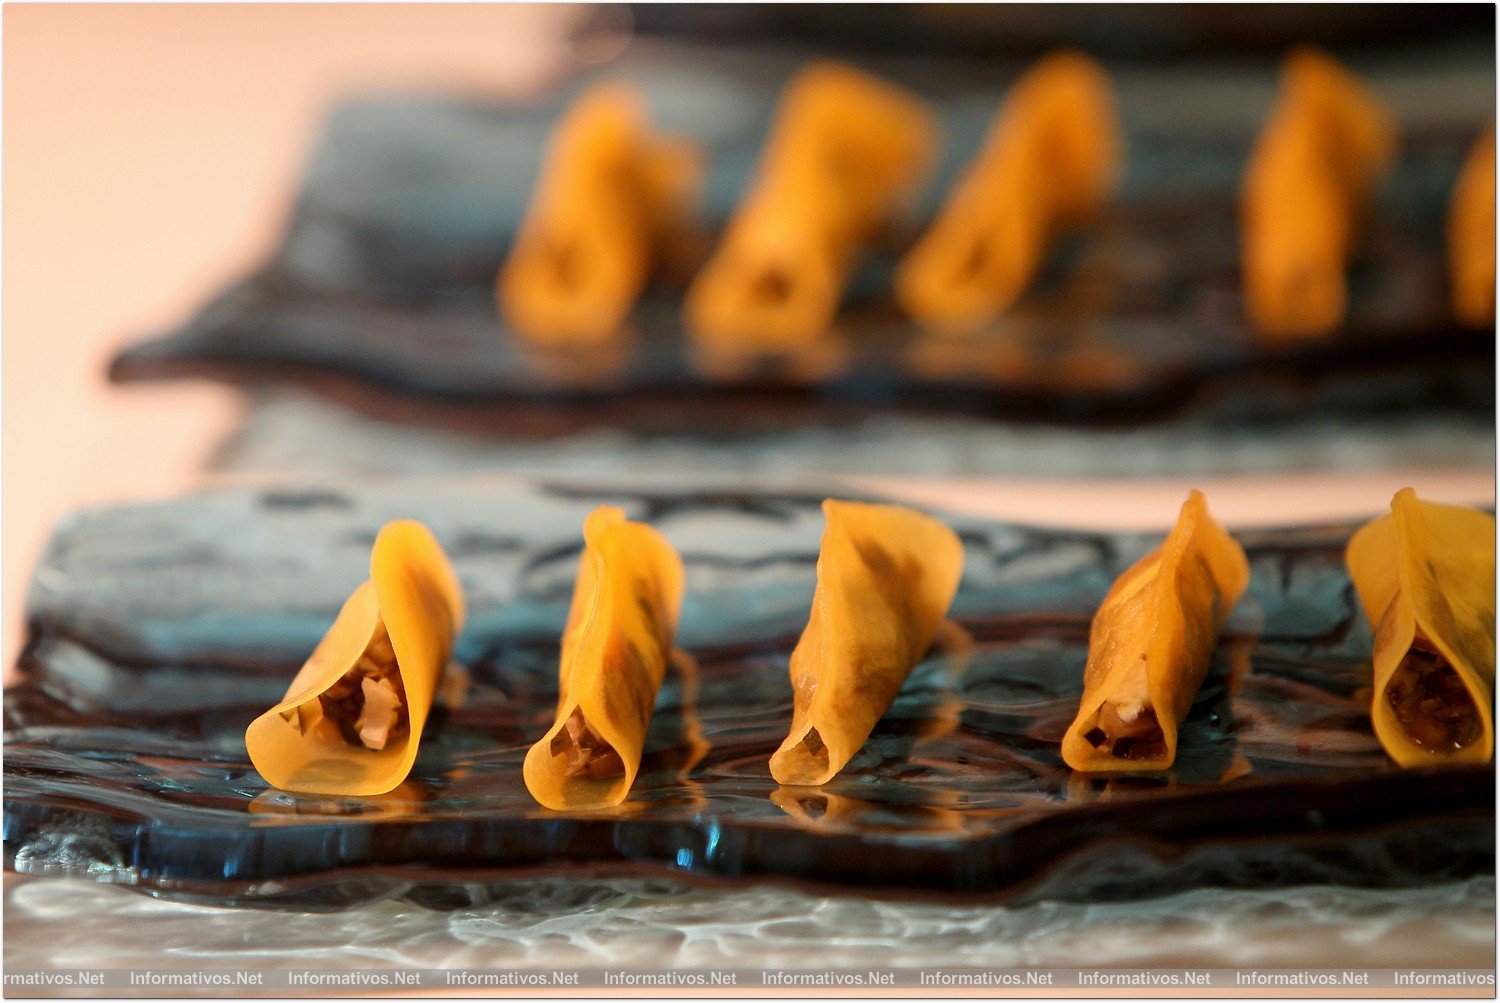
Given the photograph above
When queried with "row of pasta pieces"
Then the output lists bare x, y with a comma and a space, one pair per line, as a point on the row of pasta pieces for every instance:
352, 718
614, 207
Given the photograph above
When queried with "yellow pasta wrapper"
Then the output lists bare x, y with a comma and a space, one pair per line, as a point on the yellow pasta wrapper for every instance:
615, 650
789, 240
870, 139
1052, 158
1471, 236
352, 718
1358, 134
1425, 575
983, 250
612, 194
1324, 149
886, 576
1296, 235
845, 151
1150, 646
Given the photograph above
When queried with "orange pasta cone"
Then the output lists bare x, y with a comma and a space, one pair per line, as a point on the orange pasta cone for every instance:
1296, 230
615, 649
845, 151
981, 253
1324, 149
1425, 575
612, 194
886, 576
352, 719
1150, 646
788, 240
870, 140
1471, 236
1357, 132
1051, 160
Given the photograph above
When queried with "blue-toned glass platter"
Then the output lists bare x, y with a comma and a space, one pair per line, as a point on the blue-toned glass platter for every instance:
157, 632
381, 293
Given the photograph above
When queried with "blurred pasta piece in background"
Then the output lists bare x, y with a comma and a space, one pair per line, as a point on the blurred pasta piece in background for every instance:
1050, 161
1325, 148
1471, 236
612, 200
846, 150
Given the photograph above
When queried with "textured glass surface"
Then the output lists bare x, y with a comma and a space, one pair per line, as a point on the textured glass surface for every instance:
289, 431
385, 278
555, 922
159, 631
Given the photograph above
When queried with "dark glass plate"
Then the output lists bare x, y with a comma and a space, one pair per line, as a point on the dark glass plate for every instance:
998, 30
159, 631
381, 293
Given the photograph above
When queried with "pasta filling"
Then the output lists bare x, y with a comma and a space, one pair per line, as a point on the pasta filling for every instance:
812, 744
1127, 726
772, 287
975, 261
589, 755
1128, 731
1431, 702
562, 258
366, 707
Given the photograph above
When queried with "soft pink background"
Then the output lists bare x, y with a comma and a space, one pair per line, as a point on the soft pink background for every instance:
150, 152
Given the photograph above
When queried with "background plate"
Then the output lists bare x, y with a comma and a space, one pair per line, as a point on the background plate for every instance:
159, 631
383, 284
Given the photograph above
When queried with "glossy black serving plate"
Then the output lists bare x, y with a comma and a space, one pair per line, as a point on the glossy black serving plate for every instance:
381, 292
159, 631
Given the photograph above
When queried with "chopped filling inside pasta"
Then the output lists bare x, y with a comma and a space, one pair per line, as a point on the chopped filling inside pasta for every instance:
366, 707
1128, 731
1431, 701
773, 287
1127, 727
813, 743
975, 260
589, 755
